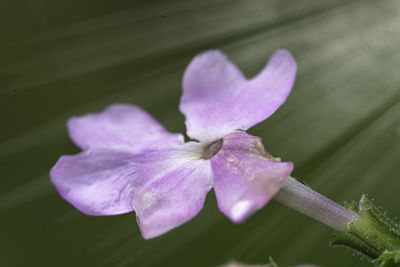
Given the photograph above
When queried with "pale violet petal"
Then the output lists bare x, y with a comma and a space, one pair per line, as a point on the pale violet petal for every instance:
96, 182
120, 126
246, 177
165, 187
217, 99
172, 199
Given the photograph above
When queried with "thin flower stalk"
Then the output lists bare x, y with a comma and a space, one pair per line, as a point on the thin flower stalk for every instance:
302, 198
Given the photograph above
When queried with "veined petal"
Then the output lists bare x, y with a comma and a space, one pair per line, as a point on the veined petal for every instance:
96, 182
217, 99
173, 199
165, 187
246, 177
120, 126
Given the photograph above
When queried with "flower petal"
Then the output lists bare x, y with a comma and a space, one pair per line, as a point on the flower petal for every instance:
165, 187
95, 182
217, 99
246, 177
120, 126
173, 198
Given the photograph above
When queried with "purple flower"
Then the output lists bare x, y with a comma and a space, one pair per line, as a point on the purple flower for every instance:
130, 162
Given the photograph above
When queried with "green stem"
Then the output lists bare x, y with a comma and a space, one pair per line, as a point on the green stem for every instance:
372, 234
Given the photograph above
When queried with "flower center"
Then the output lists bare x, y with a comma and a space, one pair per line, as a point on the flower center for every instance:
212, 149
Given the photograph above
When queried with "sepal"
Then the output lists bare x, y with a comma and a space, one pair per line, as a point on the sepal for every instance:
372, 233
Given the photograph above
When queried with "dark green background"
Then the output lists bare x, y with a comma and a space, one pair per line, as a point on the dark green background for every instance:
340, 126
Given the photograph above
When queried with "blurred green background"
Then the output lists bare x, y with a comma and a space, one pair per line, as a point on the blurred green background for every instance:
340, 126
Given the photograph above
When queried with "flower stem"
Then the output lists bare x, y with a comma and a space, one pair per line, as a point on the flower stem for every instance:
361, 226
302, 198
